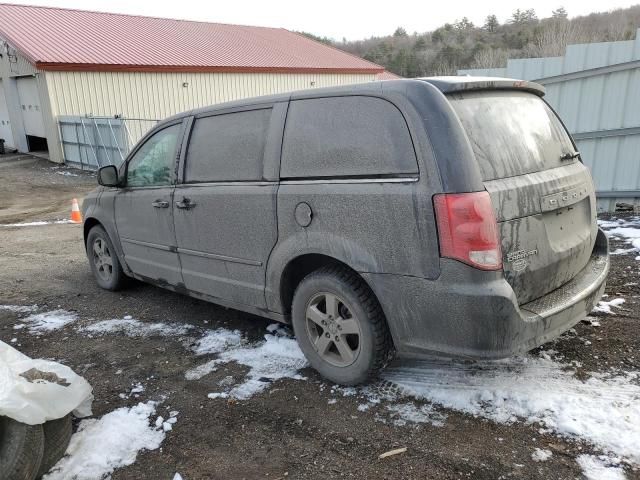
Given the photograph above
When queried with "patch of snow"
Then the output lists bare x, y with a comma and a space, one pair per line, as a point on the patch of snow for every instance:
274, 359
218, 395
35, 224
113, 441
279, 330
19, 308
541, 455
67, 174
623, 251
226, 381
177, 476
603, 410
135, 328
404, 413
626, 230
277, 357
49, 321
605, 307
600, 468
216, 341
196, 373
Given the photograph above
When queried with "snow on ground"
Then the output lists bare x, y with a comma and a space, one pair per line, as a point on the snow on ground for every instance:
113, 441
215, 341
136, 328
603, 410
19, 308
273, 359
625, 230
408, 413
605, 307
600, 468
541, 455
39, 323
35, 224
67, 173
276, 358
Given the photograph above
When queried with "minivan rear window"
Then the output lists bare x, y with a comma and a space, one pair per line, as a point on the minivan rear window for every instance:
512, 133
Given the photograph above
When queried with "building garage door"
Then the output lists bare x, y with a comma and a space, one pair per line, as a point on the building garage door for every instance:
5, 125
30, 106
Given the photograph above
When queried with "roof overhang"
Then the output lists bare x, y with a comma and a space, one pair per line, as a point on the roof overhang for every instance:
90, 67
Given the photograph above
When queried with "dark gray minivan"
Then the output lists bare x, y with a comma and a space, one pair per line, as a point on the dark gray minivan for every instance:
448, 215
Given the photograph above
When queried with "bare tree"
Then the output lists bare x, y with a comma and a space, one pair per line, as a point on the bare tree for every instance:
552, 38
490, 58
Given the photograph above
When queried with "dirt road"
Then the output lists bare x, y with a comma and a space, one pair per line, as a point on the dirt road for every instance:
271, 418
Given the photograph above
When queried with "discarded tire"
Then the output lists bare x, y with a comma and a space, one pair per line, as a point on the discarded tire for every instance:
21, 450
57, 434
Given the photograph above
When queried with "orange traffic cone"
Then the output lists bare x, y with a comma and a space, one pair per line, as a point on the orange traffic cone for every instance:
76, 216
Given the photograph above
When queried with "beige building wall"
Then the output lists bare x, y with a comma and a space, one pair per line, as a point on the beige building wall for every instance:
159, 95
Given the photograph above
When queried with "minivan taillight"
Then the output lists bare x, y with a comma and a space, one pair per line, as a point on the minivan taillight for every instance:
467, 229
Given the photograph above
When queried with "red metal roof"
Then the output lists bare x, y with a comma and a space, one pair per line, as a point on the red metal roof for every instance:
387, 75
61, 39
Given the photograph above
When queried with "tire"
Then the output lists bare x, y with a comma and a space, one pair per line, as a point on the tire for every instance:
353, 321
104, 261
57, 434
21, 450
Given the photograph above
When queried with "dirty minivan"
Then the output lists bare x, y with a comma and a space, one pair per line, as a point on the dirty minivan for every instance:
445, 215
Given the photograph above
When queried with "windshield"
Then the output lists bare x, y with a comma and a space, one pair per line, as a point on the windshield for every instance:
512, 133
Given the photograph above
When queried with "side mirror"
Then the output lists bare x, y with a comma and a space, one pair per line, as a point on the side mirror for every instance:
108, 176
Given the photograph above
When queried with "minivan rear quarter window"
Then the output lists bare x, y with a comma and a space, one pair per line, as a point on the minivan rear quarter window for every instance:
511, 133
227, 147
352, 136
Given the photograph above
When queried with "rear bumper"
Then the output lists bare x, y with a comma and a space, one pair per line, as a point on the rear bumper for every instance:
471, 313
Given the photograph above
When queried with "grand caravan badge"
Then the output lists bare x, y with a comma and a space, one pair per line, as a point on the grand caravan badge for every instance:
518, 258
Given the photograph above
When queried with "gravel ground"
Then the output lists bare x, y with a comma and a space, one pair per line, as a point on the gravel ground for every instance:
292, 429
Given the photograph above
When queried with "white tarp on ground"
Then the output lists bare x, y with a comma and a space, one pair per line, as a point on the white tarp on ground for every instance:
36, 391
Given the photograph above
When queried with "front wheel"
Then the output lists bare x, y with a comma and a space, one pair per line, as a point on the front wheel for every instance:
104, 261
340, 326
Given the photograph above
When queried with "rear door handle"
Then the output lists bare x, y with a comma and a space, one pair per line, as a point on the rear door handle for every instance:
185, 204
160, 204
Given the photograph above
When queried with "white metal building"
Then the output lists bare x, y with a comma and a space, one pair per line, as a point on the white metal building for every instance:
57, 62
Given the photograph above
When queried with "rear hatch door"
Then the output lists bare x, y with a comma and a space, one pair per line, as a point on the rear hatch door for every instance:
542, 194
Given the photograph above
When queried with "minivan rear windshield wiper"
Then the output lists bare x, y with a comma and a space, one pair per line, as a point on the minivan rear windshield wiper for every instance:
570, 156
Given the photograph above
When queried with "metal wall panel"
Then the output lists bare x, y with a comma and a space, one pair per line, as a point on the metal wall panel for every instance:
595, 88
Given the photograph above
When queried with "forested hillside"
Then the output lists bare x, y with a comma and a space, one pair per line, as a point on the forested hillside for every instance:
464, 45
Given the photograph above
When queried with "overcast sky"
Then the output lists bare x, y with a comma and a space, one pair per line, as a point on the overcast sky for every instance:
335, 18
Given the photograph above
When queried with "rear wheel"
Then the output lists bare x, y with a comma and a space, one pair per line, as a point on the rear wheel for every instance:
104, 261
340, 326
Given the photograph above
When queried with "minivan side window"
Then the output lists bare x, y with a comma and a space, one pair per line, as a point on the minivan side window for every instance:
227, 147
345, 137
153, 162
